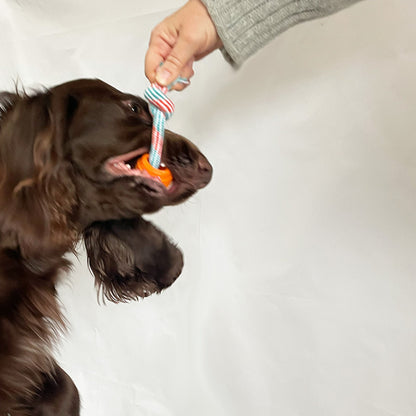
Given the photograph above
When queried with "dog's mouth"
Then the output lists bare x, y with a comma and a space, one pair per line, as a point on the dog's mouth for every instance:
125, 166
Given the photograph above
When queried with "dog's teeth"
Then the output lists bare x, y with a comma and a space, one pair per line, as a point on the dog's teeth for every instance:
162, 165
128, 166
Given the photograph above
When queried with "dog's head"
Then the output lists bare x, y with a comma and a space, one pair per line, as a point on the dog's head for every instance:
107, 131
67, 158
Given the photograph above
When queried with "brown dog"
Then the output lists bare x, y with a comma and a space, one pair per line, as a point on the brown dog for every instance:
64, 175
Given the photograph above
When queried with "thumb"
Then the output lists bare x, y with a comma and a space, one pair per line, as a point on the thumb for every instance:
175, 63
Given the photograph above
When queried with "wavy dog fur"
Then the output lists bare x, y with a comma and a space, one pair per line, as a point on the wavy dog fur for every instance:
63, 177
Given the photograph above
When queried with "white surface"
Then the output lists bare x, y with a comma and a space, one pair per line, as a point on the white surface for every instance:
298, 295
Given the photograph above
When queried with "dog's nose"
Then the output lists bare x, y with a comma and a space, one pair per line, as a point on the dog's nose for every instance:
205, 171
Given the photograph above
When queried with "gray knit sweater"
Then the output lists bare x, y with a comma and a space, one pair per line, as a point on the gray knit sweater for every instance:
245, 26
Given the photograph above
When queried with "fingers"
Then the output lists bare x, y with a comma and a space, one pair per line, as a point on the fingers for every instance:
160, 45
176, 63
187, 73
152, 62
168, 56
179, 40
154, 59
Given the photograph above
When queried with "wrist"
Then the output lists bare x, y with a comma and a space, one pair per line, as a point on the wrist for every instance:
199, 8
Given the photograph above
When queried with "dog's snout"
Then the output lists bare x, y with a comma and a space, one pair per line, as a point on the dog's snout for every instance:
205, 170
204, 166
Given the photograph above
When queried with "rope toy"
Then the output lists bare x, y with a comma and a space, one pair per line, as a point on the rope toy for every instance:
162, 109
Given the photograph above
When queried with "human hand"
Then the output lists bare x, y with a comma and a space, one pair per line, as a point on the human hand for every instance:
182, 38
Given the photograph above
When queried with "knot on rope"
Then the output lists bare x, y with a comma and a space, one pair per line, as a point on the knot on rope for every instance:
156, 95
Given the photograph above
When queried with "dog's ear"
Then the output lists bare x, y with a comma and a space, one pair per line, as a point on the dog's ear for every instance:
131, 259
37, 193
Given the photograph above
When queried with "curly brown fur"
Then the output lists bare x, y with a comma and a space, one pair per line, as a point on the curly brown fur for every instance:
63, 176
131, 258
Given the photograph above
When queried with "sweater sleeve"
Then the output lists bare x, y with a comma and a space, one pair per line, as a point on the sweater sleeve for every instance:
245, 26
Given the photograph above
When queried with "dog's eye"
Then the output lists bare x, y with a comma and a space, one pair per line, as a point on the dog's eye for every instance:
134, 107
137, 111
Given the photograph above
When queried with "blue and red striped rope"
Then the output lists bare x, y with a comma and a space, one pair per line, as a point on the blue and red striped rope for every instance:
162, 109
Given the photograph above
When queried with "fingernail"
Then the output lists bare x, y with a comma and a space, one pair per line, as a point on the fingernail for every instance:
162, 76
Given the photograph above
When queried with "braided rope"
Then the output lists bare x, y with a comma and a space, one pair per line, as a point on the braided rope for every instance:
162, 109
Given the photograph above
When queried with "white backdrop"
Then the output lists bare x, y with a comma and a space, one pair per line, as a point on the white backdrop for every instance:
298, 295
